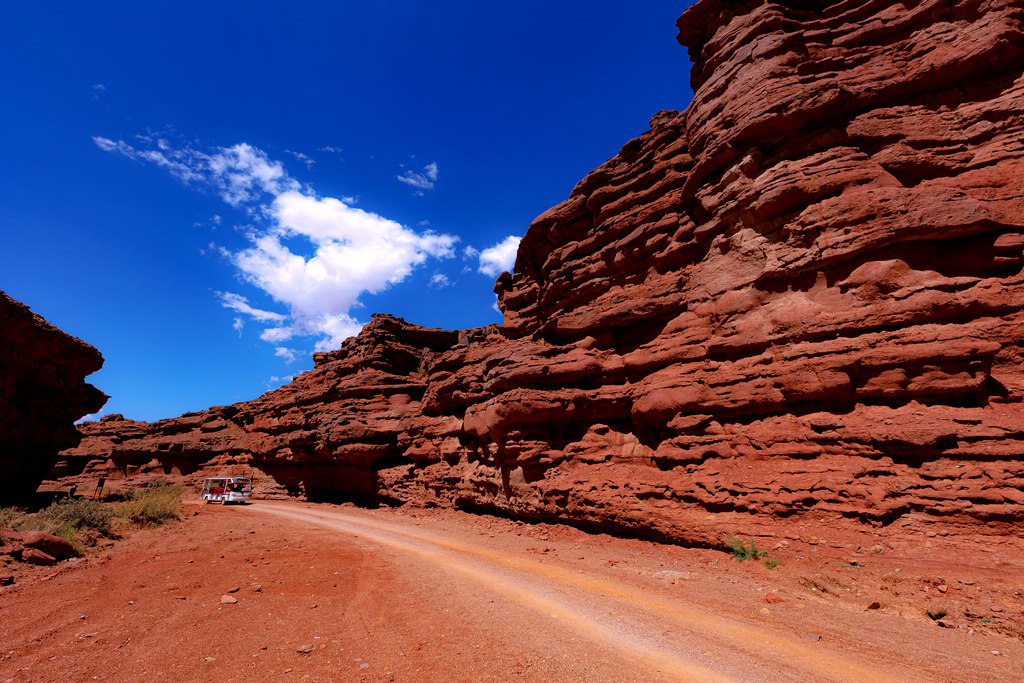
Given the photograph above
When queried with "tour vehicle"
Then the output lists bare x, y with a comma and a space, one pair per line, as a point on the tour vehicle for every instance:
227, 489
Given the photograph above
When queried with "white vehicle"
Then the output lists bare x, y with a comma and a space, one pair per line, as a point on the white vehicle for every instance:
227, 489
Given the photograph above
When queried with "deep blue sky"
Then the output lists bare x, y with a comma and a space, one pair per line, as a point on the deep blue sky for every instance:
146, 149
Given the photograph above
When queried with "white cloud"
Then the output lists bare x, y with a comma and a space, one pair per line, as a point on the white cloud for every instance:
328, 148
304, 158
237, 302
421, 181
289, 355
239, 174
277, 334
91, 417
440, 281
237, 326
501, 257
353, 251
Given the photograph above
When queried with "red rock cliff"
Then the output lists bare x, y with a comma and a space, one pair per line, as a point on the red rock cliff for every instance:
42, 393
800, 298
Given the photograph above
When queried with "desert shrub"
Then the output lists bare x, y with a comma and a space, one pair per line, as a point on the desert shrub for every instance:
741, 551
9, 515
79, 514
154, 505
772, 562
120, 495
69, 517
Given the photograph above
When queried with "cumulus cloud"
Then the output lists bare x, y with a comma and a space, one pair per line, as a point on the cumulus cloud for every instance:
440, 281
313, 255
499, 258
421, 181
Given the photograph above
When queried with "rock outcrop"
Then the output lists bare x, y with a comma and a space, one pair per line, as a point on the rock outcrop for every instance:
42, 393
800, 299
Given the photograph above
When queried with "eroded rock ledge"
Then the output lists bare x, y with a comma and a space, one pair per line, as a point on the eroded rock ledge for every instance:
801, 298
42, 393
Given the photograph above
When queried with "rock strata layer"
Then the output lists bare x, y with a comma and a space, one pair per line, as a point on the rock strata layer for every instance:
801, 298
42, 393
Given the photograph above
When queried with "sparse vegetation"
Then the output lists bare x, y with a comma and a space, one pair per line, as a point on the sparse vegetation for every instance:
9, 515
69, 516
772, 562
158, 503
741, 551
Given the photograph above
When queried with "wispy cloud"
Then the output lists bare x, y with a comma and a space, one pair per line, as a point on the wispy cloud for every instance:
353, 251
239, 303
304, 158
240, 175
423, 180
498, 258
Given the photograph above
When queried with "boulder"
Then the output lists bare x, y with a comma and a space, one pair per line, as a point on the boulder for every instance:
55, 546
33, 556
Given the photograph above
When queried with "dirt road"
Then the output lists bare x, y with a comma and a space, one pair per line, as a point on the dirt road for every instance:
289, 590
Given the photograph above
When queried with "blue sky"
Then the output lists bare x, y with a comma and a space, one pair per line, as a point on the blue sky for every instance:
208, 192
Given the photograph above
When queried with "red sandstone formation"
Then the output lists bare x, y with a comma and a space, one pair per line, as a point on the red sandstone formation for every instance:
800, 298
42, 393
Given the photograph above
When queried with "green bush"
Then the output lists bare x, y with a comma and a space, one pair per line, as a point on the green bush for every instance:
741, 551
772, 562
154, 505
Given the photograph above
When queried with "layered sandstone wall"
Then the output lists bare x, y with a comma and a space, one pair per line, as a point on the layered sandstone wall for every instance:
42, 393
800, 298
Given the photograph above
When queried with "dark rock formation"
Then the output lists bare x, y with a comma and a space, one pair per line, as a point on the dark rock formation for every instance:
800, 299
42, 393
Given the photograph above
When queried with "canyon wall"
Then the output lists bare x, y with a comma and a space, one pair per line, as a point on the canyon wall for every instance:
801, 298
42, 393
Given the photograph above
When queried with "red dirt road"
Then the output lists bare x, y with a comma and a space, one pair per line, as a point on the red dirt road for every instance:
338, 593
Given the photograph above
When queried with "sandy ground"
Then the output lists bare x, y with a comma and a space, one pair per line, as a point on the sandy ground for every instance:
339, 593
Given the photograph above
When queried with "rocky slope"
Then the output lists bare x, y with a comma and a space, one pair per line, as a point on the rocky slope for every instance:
800, 299
42, 393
